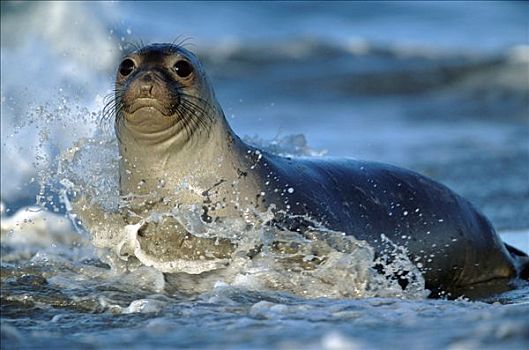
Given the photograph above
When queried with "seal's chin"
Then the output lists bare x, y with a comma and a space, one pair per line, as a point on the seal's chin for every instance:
149, 105
148, 116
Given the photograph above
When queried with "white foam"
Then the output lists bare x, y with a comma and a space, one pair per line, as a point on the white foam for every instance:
144, 306
131, 244
38, 227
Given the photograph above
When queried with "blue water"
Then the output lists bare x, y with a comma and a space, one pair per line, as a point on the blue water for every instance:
439, 87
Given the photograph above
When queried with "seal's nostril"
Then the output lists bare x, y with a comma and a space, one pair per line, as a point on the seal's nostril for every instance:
146, 89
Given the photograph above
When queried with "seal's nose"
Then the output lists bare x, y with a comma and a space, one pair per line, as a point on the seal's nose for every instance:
146, 85
146, 90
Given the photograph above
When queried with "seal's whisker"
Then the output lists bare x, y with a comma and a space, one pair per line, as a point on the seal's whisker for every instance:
201, 101
198, 116
132, 46
189, 131
181, 42
197, 98
114, 105
108, 110
193, 117
187, 120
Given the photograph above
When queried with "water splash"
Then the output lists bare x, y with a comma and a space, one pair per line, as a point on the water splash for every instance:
319, 263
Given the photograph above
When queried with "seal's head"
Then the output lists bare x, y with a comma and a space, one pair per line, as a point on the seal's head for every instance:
162, 93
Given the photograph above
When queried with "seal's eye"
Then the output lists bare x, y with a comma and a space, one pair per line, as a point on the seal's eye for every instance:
126, 67
183, 68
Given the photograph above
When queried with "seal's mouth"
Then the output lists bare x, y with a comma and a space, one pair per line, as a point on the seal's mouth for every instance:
151, 104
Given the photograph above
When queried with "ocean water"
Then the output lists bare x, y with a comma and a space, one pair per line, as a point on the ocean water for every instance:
438, 87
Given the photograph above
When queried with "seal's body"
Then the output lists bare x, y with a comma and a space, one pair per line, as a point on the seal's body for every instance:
177, 149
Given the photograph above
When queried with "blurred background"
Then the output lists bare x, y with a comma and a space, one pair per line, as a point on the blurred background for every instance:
439, 87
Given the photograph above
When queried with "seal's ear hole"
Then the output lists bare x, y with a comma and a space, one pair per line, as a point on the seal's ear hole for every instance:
183, 68
126, 67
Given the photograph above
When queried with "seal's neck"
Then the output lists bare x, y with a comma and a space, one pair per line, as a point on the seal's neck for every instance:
158, 165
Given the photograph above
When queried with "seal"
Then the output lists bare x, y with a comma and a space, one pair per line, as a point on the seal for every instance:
177, 149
